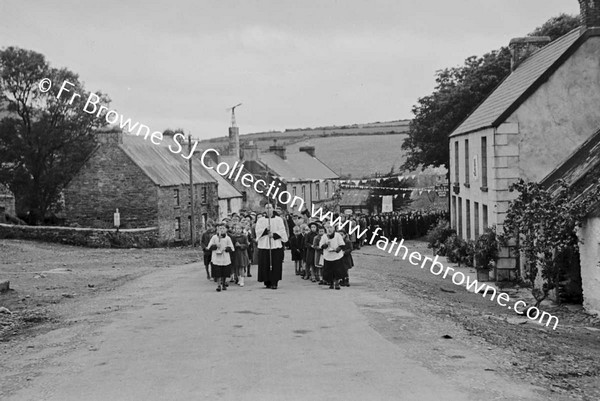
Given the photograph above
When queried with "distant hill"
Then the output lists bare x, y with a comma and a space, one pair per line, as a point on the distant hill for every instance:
294, 134
358, 150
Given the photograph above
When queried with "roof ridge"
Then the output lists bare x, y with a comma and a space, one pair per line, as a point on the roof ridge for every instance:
519, 84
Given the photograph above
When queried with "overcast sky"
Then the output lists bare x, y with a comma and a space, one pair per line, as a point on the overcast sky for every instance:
291, 63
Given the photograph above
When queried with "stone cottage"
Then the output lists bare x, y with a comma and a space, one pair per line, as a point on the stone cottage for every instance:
147, 183
544, 110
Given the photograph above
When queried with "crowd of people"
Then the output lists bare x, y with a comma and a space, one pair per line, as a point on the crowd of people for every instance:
321, 251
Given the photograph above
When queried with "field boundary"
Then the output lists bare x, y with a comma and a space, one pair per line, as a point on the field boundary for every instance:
146, 237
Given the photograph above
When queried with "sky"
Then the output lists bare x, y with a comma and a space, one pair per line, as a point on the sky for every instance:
292, 64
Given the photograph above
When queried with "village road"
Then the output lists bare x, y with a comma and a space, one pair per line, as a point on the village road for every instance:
170, 336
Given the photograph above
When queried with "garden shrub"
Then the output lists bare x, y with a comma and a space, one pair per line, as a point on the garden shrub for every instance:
437, 236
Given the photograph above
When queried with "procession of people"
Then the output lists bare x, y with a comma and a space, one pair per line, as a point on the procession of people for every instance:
321, 250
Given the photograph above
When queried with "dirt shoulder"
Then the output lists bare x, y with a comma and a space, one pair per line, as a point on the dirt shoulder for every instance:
562, 360
45, 275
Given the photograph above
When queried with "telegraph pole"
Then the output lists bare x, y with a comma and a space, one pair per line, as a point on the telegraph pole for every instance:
192, 236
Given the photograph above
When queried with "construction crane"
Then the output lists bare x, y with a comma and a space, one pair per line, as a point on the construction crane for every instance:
233, 114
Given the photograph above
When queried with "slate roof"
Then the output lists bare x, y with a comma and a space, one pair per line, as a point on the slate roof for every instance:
297, 167
225, 189
515, 88
580, 170
164, 167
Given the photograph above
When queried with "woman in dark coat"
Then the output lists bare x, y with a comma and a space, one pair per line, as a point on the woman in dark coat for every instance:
347, 260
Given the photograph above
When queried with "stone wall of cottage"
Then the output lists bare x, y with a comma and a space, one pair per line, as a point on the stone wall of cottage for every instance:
589, 252
174, 211
110, 180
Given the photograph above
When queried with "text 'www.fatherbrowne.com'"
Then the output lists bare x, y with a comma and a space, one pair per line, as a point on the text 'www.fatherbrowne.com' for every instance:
436, 268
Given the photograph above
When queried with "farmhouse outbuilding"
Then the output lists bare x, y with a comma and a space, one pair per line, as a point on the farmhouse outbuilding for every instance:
148, 184
581, 171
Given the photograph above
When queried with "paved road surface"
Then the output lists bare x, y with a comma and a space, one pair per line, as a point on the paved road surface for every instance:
171, 336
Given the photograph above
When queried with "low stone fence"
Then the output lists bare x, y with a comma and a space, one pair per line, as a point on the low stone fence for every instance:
91, 237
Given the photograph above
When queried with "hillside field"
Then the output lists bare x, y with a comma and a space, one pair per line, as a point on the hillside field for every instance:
359, 150
358, 155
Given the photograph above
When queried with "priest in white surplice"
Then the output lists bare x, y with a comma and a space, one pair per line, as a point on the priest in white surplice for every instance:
271, 234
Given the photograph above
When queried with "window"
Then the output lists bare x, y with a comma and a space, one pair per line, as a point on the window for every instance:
484, 211
456, 169
294, 190
176, 196
476, 216
317, 191
326, 190
484, 176
228, 206
468, 215
204, 195
460, 217
177, 227
454, 212
467, 162
303, 191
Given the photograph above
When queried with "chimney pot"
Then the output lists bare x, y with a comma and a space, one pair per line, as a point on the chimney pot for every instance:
279, 150
109, 136
522, 48
308, 149
590, 13
250, 152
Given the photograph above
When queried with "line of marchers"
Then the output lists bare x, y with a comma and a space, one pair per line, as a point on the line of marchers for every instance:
286, 198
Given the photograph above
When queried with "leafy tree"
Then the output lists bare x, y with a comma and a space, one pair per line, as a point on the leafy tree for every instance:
43, 139
545, 226
557, 26
457, 93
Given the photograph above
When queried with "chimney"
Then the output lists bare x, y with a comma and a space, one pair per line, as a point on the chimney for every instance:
109, 136
234, 142
590, 14
279, 150
308, 149
521, 48
250, 152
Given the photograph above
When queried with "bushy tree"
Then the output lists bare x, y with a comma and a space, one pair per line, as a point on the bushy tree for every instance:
43, 139
457, 92
557, 26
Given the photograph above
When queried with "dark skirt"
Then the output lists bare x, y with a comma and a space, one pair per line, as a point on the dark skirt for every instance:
333, 270
207, 258
219, 271
348, 261
296, 254
265, 272
310, 257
